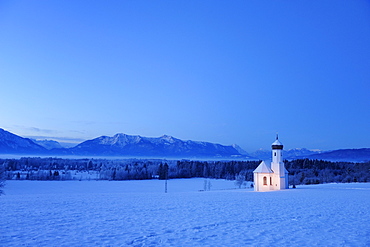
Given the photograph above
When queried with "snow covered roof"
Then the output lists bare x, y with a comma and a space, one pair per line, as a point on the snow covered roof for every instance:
263, 168
277, 142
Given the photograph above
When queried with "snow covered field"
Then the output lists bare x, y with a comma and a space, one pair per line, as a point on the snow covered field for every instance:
139, 213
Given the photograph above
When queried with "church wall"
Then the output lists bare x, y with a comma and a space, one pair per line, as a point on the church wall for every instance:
282, 183
259, 182
276, 182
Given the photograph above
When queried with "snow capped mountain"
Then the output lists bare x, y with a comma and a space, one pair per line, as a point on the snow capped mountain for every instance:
118, 145
168, 138
13, 144
48, 144
164, 146
119, 140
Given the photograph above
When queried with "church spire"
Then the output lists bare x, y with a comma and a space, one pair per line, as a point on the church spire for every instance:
277, 144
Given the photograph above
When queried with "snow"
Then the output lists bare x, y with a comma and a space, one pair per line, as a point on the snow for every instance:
139, 213
277, 142
263, 168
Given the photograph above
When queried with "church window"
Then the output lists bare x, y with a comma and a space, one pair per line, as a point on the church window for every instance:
274, 153
264, 181
270, 180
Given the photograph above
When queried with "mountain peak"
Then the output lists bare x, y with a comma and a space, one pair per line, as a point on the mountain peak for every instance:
119, 139
168, 138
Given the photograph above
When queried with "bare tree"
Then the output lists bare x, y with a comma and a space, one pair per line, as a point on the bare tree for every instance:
240, 179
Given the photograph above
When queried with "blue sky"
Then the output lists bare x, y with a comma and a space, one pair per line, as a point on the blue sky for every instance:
218, 71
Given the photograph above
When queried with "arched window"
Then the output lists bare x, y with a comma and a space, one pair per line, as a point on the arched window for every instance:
270, 180
274, 153
264, 181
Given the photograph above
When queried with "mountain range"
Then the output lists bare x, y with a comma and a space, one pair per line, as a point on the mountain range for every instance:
122, 145
118, 145
164, 146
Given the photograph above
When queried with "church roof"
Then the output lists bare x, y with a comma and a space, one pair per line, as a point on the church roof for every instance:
263, 168
277, 142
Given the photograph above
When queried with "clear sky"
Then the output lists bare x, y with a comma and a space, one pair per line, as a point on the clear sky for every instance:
218, 71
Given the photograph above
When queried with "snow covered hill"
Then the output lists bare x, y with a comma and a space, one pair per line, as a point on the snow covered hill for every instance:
139, 213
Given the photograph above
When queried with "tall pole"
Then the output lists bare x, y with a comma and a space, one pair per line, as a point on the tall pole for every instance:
165, 167
165, 186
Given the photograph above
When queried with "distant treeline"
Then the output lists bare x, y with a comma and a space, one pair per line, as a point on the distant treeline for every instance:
306, 171
301, 171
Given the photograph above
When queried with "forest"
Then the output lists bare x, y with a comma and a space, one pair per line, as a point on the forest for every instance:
301, 171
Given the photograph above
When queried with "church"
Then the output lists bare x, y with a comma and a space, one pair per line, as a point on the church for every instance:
272, 176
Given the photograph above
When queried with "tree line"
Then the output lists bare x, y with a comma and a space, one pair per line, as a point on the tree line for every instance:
306, 171
301, 171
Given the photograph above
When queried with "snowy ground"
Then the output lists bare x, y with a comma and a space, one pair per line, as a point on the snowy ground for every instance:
139, 213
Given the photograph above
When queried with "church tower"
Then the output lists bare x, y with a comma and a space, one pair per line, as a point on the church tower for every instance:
273, 176
280, 177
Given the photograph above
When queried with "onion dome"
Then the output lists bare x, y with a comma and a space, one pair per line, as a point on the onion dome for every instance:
277, 144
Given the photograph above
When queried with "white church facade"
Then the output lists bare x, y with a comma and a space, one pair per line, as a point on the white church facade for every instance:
272, 176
